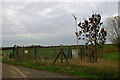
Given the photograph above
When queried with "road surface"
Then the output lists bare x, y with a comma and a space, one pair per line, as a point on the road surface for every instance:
12, 71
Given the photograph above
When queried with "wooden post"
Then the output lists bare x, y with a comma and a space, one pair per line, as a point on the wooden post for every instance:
119, 43
61, 58
54, 52
17, 53
70, 52
81, 54
23, 54
14, 50
10, 55
96, 57
61, 54
35, 54
93, 55
83, 51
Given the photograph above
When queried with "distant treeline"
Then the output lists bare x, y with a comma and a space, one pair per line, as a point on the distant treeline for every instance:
6, 48
32, 46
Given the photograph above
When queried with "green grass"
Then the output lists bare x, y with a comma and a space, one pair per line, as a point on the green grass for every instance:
108, 46
111, 56
51, 52
44, 52
7, 51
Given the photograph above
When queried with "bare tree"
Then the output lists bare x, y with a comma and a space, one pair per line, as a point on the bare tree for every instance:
112, 25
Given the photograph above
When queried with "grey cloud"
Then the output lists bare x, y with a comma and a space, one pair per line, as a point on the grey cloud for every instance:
47, 23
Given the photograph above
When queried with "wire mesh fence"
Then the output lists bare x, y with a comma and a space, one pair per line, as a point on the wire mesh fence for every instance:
39, 54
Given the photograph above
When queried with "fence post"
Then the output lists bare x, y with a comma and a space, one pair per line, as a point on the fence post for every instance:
14, 50
54, 52
81, 53
23, 54
35, 54
10, 55
93, 55
17, 53
70, 52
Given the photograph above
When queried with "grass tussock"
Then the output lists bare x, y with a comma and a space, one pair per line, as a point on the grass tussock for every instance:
100, 64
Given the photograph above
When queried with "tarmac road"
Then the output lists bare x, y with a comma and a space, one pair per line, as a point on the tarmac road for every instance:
12, 71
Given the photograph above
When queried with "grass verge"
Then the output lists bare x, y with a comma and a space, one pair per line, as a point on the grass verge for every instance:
82, 71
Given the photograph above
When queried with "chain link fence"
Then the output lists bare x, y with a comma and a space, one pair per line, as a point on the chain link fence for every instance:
41, 54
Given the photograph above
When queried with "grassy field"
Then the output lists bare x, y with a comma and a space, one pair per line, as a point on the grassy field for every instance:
52, 51
7, 51
111, 56
84, 68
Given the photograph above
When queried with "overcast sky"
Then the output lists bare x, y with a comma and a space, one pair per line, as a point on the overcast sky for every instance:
48, 23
